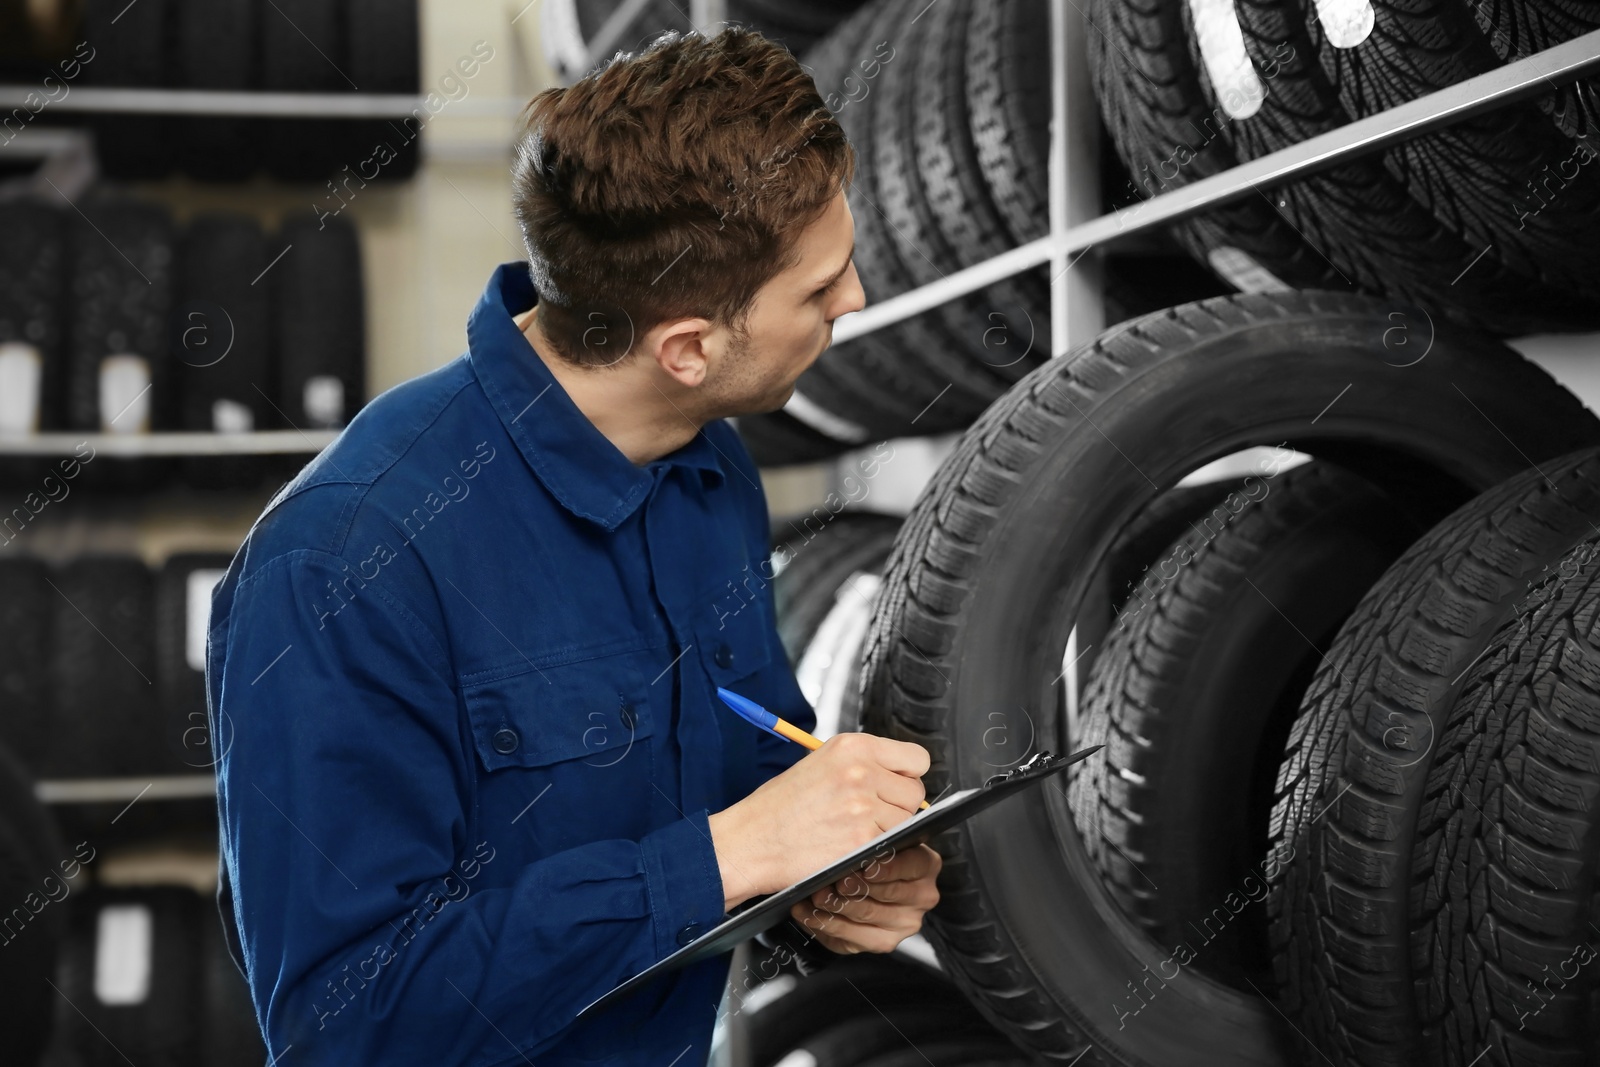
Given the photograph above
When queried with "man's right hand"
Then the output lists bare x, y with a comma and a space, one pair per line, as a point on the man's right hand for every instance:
830, 803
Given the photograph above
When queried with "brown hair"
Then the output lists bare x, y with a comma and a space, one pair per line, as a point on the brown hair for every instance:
670, 183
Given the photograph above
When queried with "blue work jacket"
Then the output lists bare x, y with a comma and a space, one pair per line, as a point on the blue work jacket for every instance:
462, 689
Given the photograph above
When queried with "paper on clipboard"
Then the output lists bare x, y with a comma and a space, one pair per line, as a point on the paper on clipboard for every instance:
761, 914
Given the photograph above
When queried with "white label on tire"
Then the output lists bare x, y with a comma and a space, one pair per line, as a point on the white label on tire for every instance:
20, 371
124, 394
230, 416
122, 954
1346, 22
1240, 270
1216, 27
323, 400
198, 599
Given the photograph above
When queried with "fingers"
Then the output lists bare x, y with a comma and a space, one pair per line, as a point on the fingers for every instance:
899, 902
902, 757
903, 792
844, 935
905, 865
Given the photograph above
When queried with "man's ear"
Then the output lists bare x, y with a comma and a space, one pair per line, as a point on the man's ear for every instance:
681, 351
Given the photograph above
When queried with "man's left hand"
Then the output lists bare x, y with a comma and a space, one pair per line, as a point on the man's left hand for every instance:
875, 910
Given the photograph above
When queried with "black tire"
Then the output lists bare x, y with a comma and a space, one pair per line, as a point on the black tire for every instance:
1150, 95
850, 986
1480, 177
230, 1036
778, 439
215, 47
319, 323
33, 295
33, 313
1349, 793
132, 49
1008, 108
1359, 214
990, 551
384, 58
940, 215
31, 927
159, 1029
879, 1033
1198, 686
812, 571
222, 344
1508, 841
25, 665
121, 262
182, 611
103, 671
1518, 28
303, 50
1134, 285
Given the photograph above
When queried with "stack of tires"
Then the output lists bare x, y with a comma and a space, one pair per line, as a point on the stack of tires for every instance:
1343, 808
306, 46
948, 111
104, 675
36, 874
114, 319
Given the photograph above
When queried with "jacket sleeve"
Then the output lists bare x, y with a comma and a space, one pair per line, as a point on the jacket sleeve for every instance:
369, 926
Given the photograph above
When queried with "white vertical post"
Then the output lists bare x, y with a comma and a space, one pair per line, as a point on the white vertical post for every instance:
708, 15
1076, 311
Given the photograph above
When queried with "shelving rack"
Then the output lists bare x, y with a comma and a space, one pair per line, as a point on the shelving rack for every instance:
1072, 232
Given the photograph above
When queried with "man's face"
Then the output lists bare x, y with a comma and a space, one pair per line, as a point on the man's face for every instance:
791, 320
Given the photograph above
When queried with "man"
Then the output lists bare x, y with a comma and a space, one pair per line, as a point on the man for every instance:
472, 769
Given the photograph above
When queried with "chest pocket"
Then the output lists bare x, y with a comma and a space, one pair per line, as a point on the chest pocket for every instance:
731, 631
594, 711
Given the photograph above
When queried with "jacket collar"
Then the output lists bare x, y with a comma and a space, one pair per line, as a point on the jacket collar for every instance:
575, 461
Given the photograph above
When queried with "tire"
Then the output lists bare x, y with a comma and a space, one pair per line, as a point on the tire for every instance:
384, 58
216, 49
1480, 177
1198, 686
824, 600
159, 1028
1135, 285
1349, 795
1358, 213
183, 590
223, 369
230, 1036
30, 849
303, 51
1150, 95
33, 315
25, 726
875, 1035
132, 49
1008, 108
102, 671
319, 322
1518, 28
940, 215
851, 986
1009, 532
804, 588
1508, 842
778, 439
122, 265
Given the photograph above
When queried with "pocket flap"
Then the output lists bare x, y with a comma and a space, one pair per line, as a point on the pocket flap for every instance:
594, 709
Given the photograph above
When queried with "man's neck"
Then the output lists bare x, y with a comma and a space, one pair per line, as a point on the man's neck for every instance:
626, 404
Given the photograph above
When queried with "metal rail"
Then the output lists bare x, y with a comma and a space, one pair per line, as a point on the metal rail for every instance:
218, 102
194, 443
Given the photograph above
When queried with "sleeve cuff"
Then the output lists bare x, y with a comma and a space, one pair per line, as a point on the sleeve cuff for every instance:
684, 881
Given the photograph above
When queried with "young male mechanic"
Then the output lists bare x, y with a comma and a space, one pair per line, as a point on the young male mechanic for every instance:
462, 674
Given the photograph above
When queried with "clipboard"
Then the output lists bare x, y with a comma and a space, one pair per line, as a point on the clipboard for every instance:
762, 913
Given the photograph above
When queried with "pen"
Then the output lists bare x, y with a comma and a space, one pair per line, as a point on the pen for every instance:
752, 712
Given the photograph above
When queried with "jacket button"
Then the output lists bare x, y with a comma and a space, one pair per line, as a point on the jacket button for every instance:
506, 741
723, 656
688, 934
625, 713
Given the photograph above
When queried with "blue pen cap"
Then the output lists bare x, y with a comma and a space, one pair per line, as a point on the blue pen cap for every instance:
749, 710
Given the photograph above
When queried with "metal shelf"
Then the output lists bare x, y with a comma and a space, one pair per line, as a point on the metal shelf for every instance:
194, 443
283, 105
111, 790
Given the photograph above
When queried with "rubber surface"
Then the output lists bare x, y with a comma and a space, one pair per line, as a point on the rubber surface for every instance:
1006, 536
319, 319
1360, 757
